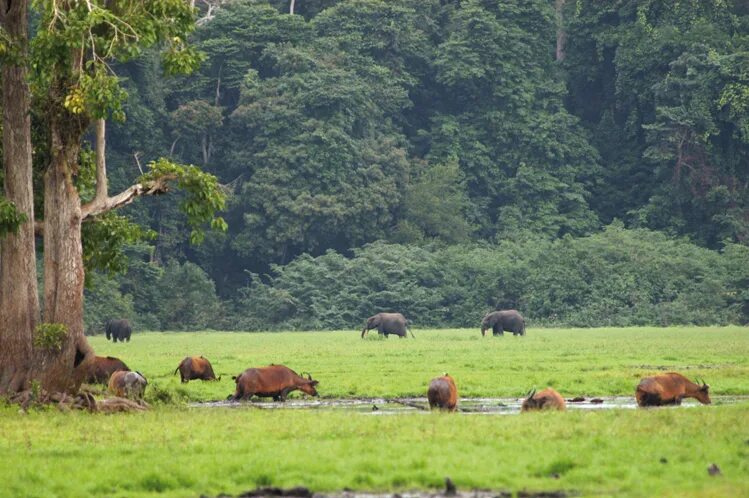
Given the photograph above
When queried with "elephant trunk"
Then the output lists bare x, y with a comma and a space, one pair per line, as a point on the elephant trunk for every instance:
363, 331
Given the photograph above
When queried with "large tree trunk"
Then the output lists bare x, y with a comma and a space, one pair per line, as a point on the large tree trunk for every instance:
19, 301
63, 261
561, 32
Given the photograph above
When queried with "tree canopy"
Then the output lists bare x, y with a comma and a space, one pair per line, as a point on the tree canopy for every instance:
427, 123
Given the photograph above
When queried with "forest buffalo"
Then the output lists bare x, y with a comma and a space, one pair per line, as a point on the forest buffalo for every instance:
128, 384
194, 368
275, 381
669, 389
442, 393
547, 399
103, 368
118, 330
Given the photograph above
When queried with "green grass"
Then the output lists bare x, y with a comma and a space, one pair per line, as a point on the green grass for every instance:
574, 361
174, 450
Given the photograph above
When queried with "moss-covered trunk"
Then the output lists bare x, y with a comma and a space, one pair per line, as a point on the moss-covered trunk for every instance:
64, 370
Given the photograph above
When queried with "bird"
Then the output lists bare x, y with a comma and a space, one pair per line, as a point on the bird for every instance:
714, 470
450, 489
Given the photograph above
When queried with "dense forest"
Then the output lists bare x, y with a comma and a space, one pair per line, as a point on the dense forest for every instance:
584, 162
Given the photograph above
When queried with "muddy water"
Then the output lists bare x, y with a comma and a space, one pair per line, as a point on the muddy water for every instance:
468, 406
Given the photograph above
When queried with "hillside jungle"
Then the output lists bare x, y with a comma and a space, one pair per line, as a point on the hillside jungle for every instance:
584, 162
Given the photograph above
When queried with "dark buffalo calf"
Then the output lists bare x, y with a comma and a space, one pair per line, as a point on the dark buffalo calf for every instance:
669, 389
442, 393
103, 368
196, 368
547, 399
118, 330
275, 381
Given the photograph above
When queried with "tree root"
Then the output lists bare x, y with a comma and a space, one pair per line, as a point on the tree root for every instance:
114, 405
404, 402
84, 400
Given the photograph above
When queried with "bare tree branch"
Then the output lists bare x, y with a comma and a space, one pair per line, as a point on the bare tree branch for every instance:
98, 207
136, 156
211, 6
174, 144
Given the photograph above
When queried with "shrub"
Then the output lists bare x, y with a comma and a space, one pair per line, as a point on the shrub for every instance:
614, 278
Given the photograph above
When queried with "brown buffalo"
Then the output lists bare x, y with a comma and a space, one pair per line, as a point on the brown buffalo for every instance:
442, 393
547, 399
275, 381
127, 384
103, 368
194, 368
669, 389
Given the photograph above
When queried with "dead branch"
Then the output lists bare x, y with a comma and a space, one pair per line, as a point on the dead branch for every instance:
136, 156
84, 400
118, 405
155, 187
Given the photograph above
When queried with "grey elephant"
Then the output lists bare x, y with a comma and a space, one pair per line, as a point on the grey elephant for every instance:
499, 321
118, 330
387, 323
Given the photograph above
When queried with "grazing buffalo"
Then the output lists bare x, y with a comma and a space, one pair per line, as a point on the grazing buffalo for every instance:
499, 321
194, 368
387, 323
548, 399
442, 393
118, 330
127, 384
275, 381
103, 368
669, 389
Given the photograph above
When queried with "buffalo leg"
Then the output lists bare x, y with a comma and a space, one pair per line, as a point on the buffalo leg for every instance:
285, 393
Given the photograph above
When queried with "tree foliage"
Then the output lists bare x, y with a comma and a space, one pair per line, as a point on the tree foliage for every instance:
446, 123
615, 278
663, 90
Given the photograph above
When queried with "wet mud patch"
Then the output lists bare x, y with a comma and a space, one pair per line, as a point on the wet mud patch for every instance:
467, 406
302, 492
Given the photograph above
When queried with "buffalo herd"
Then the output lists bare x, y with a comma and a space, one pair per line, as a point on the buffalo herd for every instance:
277, 381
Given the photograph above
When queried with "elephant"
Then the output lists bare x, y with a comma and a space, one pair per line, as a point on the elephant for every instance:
388, 323
118, 330
499, 321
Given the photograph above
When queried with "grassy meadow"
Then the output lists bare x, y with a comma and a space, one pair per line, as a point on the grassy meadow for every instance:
177, 450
